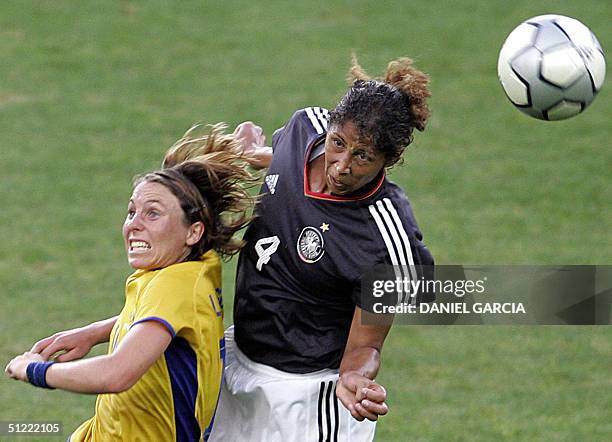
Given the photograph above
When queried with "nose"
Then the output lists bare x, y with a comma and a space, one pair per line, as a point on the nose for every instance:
343, 165
134, 223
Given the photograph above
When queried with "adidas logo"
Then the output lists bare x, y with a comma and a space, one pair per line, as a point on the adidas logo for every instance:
271, 181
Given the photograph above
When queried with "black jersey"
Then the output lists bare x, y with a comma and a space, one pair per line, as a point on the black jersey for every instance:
299, 275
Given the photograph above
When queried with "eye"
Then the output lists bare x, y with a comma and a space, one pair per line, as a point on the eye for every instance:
131, 213
362, 156
153, 213
337, 143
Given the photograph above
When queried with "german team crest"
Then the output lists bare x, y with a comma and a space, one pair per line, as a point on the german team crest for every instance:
310, 245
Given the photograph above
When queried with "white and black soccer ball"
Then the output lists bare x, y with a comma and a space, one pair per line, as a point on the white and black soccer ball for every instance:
551, 67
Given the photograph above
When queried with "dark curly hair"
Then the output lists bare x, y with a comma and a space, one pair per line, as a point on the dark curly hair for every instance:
386, 110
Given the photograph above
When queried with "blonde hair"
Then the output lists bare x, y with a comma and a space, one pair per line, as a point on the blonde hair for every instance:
209, 176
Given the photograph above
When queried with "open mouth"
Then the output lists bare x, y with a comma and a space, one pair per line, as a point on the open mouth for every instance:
335, 182
139, 246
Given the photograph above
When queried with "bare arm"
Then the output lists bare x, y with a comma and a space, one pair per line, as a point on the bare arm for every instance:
75, 343
356, 388
113, 373
253, 144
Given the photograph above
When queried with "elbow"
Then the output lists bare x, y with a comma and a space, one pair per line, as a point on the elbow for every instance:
118, 385
117, 380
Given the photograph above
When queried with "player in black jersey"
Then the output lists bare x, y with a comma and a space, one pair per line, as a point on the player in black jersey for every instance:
327, 215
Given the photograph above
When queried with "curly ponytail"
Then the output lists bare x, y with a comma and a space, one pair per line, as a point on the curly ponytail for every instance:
388, 109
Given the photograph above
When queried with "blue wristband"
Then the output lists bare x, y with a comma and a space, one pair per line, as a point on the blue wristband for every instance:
37, 373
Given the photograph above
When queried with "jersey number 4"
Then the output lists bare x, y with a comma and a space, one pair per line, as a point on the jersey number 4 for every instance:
265, 248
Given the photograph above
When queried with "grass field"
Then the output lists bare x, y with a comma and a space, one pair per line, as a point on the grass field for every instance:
92, 93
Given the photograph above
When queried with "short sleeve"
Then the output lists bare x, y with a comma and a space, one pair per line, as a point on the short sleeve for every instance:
402, 258
278, 133
167, 299
302, 128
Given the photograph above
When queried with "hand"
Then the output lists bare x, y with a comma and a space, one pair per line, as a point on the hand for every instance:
75, 344
364, 398
250, 136
16, 369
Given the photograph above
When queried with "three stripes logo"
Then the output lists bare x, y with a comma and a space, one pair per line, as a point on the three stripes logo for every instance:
396, 240
271, 181
318, 118
328, 419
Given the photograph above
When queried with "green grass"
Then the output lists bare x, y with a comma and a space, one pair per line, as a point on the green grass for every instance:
92, 94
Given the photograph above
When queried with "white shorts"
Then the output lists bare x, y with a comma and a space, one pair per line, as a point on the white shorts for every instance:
261, 403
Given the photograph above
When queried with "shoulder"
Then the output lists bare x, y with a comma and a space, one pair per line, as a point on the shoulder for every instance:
392, 203
397, 226
305, 123
315, 118
185, 275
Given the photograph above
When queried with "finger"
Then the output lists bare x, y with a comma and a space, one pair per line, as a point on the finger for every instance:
9, 370
355, 413
40, 345
365, 413
375, 407
68, 356
375, 393
346, 397
361, 394
53, 348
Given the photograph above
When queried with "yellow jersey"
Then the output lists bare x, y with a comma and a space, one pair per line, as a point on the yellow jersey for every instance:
175, 400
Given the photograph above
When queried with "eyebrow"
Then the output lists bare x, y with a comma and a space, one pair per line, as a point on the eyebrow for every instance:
152, 201
336, 134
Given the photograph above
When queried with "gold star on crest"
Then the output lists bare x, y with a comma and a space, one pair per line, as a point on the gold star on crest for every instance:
324, 227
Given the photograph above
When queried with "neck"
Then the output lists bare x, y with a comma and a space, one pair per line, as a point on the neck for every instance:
316, 176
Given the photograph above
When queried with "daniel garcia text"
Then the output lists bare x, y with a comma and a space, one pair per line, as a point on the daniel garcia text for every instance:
408, 289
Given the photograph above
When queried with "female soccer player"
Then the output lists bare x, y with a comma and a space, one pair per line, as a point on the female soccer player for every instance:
161, 377
327, 215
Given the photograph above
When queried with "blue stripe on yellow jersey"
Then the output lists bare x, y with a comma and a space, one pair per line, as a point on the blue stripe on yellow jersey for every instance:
175, 400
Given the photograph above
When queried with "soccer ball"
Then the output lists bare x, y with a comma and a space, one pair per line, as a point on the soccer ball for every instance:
551, 67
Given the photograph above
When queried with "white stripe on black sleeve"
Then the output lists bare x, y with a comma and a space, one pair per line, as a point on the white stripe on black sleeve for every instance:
401, 253
314, 120
404, 236
322, 116
388, 243
393, 230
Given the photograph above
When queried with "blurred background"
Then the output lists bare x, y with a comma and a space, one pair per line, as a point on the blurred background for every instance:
93, 93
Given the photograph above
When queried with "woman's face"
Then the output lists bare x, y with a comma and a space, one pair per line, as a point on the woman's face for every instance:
154, 232
351, 161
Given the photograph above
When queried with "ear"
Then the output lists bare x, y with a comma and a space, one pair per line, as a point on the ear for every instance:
194, 234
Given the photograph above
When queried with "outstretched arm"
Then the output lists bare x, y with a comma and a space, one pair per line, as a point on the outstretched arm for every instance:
356, 389
74, 343
113, 373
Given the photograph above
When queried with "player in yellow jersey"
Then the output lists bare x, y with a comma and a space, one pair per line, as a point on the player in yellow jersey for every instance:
161, 377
